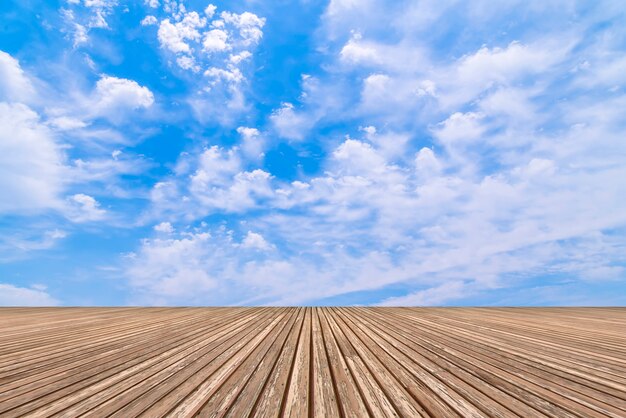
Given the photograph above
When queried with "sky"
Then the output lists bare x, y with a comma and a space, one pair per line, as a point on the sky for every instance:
367, 152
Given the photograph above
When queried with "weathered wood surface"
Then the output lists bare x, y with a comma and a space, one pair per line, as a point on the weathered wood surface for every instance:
304, 362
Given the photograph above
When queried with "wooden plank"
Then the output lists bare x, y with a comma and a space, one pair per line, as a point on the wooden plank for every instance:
373, 395
324, 392
266, 377
313, 362
219, 403
68, 389
297, 400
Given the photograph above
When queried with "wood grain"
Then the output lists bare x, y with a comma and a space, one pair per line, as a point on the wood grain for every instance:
313, 362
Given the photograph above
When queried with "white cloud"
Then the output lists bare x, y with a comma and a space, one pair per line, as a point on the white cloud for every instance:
152, 3
436, 223
212, 181
81, 18
358, 158
512, 103
164, 227
203, 268
187, 63
505, 64
209, 11
32, 167
252, 144
215, 40
290, 123
84, 208
173, 36
609, 74
11, 295
15, 244
216, 47
171, 270
149, 21
460, 128
249, 25
488, 165
115, 91
238, 58
216, 166
517, 64
426, 88
105, 171
438, 295
66, 123
357, 51
14, 84
231, 75
426, 164
238, 195
114, 96
255, 241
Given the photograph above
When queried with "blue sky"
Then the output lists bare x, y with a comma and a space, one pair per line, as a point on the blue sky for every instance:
344, 152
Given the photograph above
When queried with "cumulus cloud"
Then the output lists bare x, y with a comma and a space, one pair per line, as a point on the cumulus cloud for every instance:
356, 51
493, 160
113, 91
113, 97
32, 167
81, 17
476, 194
359, 158
84, 208
217, 49
460, 128
239, 194
231, 75
488, 65
172, 270
149, 21
11, 295
432, 225
215, 40
252, 143
249, 26
255, 241
14, 84
201, 267
174, 36
217, 46
212, 181
38, 141
427, 165
164, 227
209, 11
291, 124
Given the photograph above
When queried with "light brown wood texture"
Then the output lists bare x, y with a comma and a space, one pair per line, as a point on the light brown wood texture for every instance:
313, 362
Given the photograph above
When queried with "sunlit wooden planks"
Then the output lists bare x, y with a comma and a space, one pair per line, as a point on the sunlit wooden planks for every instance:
302, 362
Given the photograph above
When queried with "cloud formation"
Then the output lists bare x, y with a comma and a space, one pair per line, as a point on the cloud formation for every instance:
23, 296
239, 157
216, 47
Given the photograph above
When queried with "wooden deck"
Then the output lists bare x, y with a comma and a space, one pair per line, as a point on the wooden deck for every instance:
444, 362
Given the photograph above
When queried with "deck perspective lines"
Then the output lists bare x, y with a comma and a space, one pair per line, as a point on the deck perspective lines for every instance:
313, 362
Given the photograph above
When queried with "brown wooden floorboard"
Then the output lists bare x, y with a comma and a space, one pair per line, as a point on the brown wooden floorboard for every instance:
313, 362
